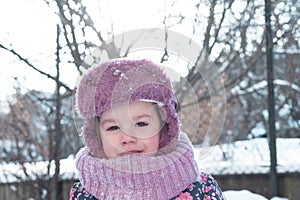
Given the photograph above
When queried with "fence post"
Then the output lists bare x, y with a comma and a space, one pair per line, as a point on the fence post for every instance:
271, 104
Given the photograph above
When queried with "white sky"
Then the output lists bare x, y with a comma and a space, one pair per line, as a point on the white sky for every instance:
30, 27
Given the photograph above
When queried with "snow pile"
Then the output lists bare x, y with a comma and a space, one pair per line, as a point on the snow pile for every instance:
246, 195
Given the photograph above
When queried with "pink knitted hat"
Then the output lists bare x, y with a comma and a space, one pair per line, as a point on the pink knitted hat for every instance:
123, 81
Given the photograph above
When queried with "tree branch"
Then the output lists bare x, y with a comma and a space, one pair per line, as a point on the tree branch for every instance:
35, 68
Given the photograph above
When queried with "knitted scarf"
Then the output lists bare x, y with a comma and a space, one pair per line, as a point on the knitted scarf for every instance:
138, 176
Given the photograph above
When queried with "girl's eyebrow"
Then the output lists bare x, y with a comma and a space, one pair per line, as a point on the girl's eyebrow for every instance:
142, 116
135, 118
107, 121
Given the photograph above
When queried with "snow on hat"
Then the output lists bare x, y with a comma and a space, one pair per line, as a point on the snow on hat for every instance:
123, 81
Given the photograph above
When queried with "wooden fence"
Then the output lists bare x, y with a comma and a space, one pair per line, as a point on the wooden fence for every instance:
288, 184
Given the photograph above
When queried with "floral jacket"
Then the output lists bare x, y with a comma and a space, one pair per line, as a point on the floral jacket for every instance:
206, 189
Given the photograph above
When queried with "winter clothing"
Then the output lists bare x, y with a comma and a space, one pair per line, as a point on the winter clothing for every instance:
171, 174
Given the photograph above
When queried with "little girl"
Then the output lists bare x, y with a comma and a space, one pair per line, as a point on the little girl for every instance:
134, 147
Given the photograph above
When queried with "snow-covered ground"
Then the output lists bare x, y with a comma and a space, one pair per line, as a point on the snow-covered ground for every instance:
246, 195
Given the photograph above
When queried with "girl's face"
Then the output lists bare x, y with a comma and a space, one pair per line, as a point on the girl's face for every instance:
130, 129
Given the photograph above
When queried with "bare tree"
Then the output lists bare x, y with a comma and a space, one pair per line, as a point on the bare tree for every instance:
37, 127
232, 36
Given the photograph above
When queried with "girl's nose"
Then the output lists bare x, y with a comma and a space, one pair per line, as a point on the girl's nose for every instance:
127, 139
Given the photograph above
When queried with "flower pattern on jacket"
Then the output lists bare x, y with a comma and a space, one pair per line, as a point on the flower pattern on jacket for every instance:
205, 189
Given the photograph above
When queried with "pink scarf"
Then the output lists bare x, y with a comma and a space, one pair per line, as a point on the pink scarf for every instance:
138, 176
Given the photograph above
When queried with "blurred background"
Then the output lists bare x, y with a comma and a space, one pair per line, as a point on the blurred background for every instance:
43, 48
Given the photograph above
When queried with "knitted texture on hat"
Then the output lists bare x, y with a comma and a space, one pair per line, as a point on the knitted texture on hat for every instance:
139, 176
119, 82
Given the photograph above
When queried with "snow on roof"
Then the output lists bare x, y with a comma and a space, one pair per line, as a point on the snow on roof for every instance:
241, 157
249, 157
15, 172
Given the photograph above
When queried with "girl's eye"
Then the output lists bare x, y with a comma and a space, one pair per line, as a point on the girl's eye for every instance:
112, 128
141, 124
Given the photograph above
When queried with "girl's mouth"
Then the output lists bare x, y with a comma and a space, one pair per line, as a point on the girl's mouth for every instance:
132, 152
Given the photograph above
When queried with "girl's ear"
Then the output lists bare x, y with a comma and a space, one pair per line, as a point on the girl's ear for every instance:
162, 113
